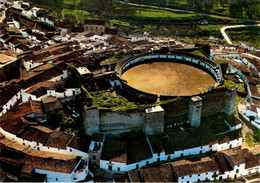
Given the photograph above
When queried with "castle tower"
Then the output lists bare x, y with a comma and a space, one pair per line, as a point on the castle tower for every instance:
154, 121
230, 102
195, 107
91, 120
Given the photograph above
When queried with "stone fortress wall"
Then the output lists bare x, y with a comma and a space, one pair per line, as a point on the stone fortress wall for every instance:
155, 120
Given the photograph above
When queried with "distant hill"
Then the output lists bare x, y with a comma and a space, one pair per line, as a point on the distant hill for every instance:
246, 9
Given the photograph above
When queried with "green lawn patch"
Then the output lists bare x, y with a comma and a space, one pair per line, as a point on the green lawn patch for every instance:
157, 13
249, 140
111, 100
78, 16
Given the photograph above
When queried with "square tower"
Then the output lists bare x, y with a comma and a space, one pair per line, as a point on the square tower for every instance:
195, 107
154, 120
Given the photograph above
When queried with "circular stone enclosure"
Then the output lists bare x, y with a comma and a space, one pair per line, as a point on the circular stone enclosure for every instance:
169, 75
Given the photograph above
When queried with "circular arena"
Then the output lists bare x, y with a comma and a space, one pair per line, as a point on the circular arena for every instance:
168, 75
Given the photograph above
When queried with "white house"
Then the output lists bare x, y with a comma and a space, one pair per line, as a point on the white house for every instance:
204, 170
249, 47
56, 167
228, 140
95, 147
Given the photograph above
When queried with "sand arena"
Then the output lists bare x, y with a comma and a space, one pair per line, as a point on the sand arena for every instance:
168, 78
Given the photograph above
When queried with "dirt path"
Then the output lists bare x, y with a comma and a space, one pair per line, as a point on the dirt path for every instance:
224, 34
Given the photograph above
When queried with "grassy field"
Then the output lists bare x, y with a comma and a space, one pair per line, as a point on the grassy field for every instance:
156, 13
245, 34
233, 8
75, 15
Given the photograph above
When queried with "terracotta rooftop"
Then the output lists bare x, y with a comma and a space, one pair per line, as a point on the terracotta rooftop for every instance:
24, 110
250, 159
186, 167
32, 159
34, 135
234, 157
95, 22
5, 59
127, 151
241, 67
189, 138
254, 90
232, 135
160, 173
61, 140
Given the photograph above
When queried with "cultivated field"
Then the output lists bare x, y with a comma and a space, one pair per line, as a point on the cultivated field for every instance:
164, 78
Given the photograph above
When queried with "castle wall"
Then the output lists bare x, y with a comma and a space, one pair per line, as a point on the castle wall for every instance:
114, 122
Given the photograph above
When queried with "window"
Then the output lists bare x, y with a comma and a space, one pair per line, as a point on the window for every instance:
198, 180
158, 159
210, 146
147, 162
198, 174
169, 157
137, 166
220, 178
57, 179
237, 170
109, 167
182, 177
38, 148
70, 150
190, 175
